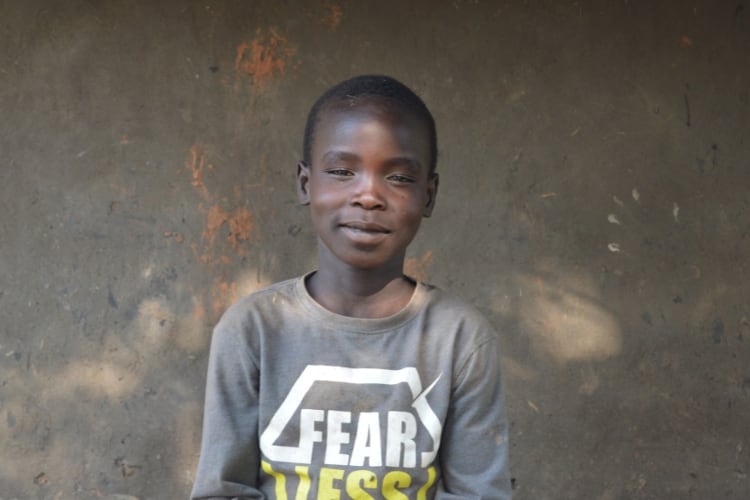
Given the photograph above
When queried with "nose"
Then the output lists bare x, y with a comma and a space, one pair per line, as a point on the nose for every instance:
368, 193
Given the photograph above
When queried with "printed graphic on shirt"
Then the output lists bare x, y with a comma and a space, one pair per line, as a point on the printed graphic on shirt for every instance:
353, 433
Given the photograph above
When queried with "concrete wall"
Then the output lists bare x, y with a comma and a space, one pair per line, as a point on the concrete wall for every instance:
594, 203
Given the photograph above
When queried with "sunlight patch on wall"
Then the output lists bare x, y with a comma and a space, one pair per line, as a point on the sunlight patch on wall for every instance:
565, 321
517, 371
95, 377
154, 324
191, 331
187, 442
252, 280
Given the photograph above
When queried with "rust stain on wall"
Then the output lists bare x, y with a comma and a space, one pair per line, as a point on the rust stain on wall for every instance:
223, 294
329, 14
199, 312
262, 59
417, 267
122, 143
227, 230
196, 164
333, 16
239, 221
177, 236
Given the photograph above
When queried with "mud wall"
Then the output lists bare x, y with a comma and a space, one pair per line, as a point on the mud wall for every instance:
594, 203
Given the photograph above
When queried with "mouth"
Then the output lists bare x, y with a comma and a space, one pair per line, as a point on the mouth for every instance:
365, 227
365, 235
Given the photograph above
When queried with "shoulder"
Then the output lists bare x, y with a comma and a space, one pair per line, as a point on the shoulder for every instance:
450, 310
253, 308
461, 334
448, 304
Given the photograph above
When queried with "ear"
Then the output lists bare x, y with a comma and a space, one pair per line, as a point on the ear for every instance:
303, 183
432, 189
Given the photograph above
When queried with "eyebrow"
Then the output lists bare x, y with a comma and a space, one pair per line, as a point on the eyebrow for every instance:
344, 156
334, 156
411, 163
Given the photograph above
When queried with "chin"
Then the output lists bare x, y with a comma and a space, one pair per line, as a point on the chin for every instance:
363, 260
365, 265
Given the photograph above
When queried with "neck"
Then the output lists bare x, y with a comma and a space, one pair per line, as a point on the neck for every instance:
360, 293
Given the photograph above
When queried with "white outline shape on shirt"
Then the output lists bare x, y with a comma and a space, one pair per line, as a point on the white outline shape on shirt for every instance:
361, 376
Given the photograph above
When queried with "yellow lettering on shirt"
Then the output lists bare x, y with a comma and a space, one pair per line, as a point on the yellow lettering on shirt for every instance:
326, 489
303, 472
279, 480
357, 481
391, 481
359, 484
431, 475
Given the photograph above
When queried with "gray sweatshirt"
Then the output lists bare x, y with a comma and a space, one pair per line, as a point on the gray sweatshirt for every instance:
303, 403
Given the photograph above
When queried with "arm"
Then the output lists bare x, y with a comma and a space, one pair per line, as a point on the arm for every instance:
474, 448
229, 461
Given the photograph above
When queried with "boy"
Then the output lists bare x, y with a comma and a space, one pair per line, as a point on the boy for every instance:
355, 381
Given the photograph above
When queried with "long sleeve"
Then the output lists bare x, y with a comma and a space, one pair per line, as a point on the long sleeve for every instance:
410, 405
474, 449
229, 461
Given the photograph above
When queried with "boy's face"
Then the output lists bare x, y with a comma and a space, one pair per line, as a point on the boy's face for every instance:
369, 184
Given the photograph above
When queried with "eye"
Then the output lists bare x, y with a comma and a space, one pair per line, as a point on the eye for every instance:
339, 172
401, 179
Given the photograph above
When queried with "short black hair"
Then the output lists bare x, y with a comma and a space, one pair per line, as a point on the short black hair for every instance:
365, 89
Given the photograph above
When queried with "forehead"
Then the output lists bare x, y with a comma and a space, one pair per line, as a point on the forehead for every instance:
338, 121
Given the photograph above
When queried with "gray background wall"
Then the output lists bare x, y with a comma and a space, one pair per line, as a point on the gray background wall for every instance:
594, 201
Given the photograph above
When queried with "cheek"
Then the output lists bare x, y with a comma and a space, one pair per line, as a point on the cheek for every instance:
413, 203
411, 214
324, 205
324, 193
325, 200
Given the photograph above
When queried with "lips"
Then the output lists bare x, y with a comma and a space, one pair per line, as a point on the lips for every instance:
364, 235
365, 227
